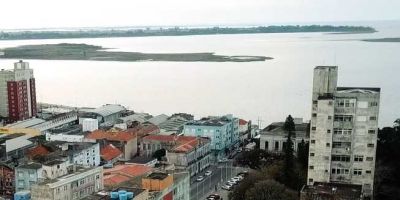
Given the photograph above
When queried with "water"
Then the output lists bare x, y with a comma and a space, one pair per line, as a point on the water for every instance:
268, 91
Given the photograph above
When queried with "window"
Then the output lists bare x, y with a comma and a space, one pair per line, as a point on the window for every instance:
373, 104
328, 131
312, 154
310, 180
314, 115
341, 158
329, 117
312, 141
357, 172
343, 118
361, 118
314, 128
372, 118
358, 158
311, 167
362, 104
328, 144
276, 145
369, 158
338, 131
368, 172
266, 145
371, 131
370, 145
315, 102
340, 171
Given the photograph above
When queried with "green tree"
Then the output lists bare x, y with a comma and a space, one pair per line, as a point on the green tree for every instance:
159, 154
289, 164
270, 189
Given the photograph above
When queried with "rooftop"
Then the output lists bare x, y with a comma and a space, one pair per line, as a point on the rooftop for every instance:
157, 175
340, 191
242, 122
112, 136
211, 121
109, 152
128, 170
157, 120
359, 89
105, 195
182, 143
108, 109
276, 128
30, 166
71, 176
141, 160
26, 123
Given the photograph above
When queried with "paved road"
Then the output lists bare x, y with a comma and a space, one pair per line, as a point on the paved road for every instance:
221, 171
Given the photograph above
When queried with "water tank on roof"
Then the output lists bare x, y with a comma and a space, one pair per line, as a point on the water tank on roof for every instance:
130, 195
114, 195
123, 196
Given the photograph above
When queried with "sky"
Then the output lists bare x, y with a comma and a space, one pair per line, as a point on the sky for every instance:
17, 14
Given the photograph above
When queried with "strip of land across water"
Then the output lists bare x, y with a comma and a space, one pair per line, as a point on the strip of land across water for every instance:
175, 31
65, 51
383, 40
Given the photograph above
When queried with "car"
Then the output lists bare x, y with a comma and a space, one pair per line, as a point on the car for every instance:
210, 198
215, 196
223, 160
227, 187
236, 179
231, 182
200, 178
208, 173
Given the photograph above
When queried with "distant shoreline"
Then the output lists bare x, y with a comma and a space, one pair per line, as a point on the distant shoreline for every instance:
148, 32
65, 51
382, 40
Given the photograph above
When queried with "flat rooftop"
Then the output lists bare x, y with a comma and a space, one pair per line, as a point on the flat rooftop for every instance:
337, 190
158, 176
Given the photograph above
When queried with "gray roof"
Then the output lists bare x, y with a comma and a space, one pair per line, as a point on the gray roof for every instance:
157, 120
276, 128
108, 109
26, 123
140, 117
30, 166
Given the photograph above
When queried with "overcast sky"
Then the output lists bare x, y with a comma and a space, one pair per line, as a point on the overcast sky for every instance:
89, 13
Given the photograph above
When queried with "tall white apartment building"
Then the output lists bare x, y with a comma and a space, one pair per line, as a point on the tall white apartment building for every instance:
343, 135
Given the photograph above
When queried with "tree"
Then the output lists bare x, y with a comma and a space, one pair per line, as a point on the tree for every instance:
269, 189
302, 154
159, 154
288, 169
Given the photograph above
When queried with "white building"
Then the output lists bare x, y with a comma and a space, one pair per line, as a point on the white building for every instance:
343, 135
77, 184
89, 124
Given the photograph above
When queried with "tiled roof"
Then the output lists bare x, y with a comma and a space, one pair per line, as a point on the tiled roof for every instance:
114, 179
109, 152
128, 170
38, 150
142, 131
111, 136
242, 122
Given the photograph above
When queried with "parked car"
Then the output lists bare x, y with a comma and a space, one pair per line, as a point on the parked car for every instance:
236, 179
200, 178
208, 173
227, 187
215, 196
223, 160
231, 182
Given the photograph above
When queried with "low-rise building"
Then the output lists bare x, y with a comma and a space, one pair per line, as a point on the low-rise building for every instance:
123, 140
273, 138
331, 191
160, 185
174, 124
110, 155
106, 115
125, 175
223, 132
27, 175
185, 152
122, 193
77, 184
181, 187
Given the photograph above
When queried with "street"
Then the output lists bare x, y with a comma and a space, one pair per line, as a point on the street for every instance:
221, 171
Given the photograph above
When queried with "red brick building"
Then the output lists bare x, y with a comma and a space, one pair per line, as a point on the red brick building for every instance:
7, 175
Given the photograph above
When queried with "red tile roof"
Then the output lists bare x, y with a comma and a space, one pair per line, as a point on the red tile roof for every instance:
38, 150
109, 152
123, 173
115, 179
242, 122
142, 131
111, 136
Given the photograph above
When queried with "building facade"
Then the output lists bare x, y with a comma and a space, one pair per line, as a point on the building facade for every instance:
27, 175
223, 132
273, 138
7, 175
78, 184
343, 135
18, 92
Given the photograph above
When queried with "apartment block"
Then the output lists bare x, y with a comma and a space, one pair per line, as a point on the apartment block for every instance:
343, 135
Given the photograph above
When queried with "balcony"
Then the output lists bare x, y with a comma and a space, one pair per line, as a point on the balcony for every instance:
341, 138
341, 164
343, 124
345, 110
341, 178
341, 151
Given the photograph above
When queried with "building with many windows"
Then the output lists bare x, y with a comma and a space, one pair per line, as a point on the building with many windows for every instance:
18, 92
223, 132
343, 135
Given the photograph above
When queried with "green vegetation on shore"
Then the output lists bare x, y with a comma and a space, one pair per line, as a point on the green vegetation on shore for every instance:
136, 32
382, 40
66, 51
